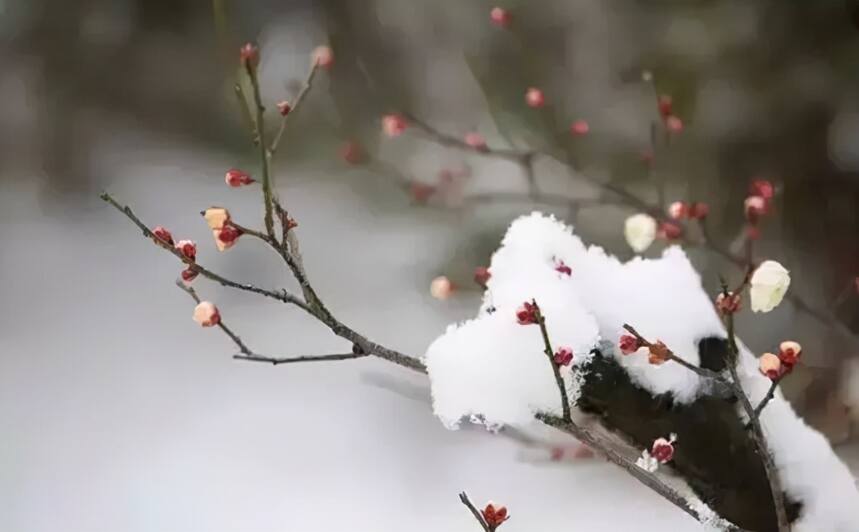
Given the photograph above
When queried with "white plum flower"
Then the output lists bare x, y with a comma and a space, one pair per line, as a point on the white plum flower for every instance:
640, 231
769, 283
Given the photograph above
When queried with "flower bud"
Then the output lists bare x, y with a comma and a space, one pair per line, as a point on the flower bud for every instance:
665, 105
236, 178
323, 57
500, 17
283, 107
678, 210
393, 125
563, 356
534, 97
163, 235
441, 288
249, 55
788, 353
206, 314
670, 231
494, 516
526, 314
563, 269
762, 188
628, 344
226, 236
755, 207
187, 248
476, 141
729, 304
580, 128
639, 231
770, 366
673, 124
188, 275
662, 450
659, 353
482, 276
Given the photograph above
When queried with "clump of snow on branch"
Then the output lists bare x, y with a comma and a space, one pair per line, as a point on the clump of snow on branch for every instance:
493, 368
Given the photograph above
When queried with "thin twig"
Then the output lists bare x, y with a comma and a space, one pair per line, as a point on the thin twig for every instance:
556, 370
474, 511
267, 189
308, 83
768, 397
757, 432
292, 360
223, 326
703, 372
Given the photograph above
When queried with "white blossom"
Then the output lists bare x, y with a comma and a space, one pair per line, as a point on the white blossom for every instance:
768, 286
640, 231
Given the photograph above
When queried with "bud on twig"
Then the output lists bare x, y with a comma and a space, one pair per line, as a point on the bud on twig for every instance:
770, 366
206, 314
187, 248
441, 288
579, 128
494, 516
237, 178
482, 275
534, 97
678, 210
323, 57
393, 125
563, 356
728, 304
629, 344
249, 55
673, 124
500, 17
527, 314
283, 107
163, 235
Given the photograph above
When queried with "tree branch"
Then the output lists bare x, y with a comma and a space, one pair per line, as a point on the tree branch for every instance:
305, 89
267, 189
474, 511
556, 370
703, 372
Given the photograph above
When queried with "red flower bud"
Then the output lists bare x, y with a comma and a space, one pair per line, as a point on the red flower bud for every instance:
500, 17
249, 55
678, 210
494, 516
323, 57
669, 231
628, 344
482, 275
788, 354
352, 152
421, 192
665, 105
527, 314
187, 248
728, 304
476, 141
580, 128
770, 365
673, 124
562, 268
699, 211
662, 450
236, 178
755, 207
188, 275
228, 234
283, 107
762, 188
563, 356
534, 97
163, 235
393, 125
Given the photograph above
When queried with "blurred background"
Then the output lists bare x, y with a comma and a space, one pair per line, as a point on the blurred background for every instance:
118, 413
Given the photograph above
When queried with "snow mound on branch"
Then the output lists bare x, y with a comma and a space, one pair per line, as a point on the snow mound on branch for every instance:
494, 369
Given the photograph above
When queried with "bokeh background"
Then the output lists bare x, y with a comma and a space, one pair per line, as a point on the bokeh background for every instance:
118, 413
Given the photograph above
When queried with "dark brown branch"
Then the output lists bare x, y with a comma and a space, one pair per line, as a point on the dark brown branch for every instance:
757, 432
556, 370
768, 397
463, 497
292, 360
703, 372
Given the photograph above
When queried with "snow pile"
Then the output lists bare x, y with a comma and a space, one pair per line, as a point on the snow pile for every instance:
494, 369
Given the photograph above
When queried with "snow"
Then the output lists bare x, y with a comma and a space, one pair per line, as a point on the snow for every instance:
494, 369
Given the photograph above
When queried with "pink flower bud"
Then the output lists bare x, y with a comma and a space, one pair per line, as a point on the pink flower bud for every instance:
788, 353
249, 55
563, 269
421, 192
206, 314
762, 188
534, 97
236, 178
188, 275
669, 231
755, 207
163, 235
494, 516
563, 356
662, 450
393, 125
526, 314
352, 152
187, 248
441, 288
728, 304
770, 366
476, 141
323, 57
673, 124
283, 107
628, 344
580, 128
665, 105
482, 275
226, 236
678, 210
699, 210
500, 17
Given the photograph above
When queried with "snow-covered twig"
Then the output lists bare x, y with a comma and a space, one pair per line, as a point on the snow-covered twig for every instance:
463, 497
556, 370
703, 372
